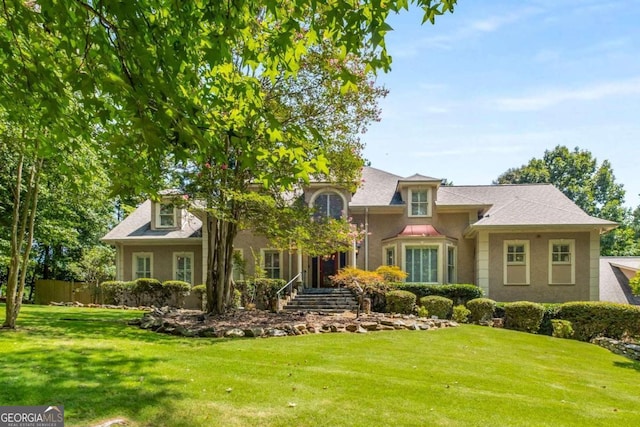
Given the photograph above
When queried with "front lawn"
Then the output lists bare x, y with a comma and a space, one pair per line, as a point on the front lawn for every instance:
99, 368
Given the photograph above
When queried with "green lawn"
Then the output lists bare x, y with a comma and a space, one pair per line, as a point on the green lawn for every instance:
99, 368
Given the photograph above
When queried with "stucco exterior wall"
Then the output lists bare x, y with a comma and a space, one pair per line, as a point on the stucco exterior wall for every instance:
251, 244
162, 267
539, 289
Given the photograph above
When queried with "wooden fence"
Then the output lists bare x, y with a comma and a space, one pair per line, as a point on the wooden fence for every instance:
48, 291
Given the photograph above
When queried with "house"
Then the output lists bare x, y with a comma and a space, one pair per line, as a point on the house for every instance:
615, 273
516, 242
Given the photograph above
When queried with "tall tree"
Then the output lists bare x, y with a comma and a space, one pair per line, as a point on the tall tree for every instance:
182, 83
591, 186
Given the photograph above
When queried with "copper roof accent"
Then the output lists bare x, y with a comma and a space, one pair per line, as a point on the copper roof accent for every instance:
422, 230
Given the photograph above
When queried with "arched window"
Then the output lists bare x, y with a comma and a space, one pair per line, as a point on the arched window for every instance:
329, 205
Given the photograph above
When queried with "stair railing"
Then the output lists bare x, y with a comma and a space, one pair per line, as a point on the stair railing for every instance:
288, 286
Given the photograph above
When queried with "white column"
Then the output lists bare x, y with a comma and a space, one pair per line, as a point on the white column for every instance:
482, 262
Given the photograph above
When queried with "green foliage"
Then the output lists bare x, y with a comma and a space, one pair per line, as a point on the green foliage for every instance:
148, 291
116, 292
97, 265
422, 312
593, 319
461, 313
481, 309
267, 292
634, 283
174, 291
438, 306
391, 273
401, 302
523, 316
562, 328
458, 293
550, 314
372, 284
199, 290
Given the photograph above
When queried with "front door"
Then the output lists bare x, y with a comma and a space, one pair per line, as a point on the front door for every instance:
324, 267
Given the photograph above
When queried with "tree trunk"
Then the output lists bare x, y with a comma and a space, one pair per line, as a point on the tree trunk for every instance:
220, 264
22, 226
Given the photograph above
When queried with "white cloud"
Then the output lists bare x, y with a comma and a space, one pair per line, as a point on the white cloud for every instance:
551, 98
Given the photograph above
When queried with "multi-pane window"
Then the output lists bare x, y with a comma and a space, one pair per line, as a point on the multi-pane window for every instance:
329, 205
142, 265
516, 254
561, 253
421, 263
390, 255
562, 265
419, 202
183, 267
451, 264
516, 262
272, 264
166, 216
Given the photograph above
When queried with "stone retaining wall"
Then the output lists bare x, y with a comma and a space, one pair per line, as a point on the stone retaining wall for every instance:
630, 350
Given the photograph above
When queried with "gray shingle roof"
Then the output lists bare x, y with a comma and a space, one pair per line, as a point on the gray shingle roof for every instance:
137, 226
378, 188
614, 285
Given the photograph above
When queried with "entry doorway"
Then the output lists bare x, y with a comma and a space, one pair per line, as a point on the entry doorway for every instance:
323, 267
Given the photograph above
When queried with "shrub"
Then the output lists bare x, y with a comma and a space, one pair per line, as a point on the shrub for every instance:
391, 273
371, 283
115, 292
400, 302
593, 319
423, 312
562, 328
459, 294
247, 292
499, 310
267, 292
634, 283
175, 291
481, 309
461, 313
148, 291
437, 306
523, 316
550, 313
200, 291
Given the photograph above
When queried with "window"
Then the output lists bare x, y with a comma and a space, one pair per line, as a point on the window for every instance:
419, 203
271, 263
390, 255
142, 265
561, 262
166, 216
451, 264
329, 205
421, 263
516, 265
183, 266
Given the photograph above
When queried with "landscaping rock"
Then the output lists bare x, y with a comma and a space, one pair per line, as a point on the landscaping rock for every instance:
234, 333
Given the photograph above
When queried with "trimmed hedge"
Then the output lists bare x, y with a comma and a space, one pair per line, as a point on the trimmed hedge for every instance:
461, 313
593, 319
401, 302
481, 309
115, 292
175, 291
267, 292
562, 328
523, 316
437, 306
459, 294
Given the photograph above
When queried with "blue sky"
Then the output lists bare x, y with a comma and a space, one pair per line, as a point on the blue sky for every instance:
498, 82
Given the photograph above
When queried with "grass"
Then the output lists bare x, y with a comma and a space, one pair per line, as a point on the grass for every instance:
99, 368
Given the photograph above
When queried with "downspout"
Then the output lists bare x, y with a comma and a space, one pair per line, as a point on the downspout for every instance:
366, 238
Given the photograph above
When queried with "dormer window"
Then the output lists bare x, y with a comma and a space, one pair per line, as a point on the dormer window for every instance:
419, 202
166, 216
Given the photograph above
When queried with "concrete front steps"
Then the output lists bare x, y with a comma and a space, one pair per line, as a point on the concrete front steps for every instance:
327, 300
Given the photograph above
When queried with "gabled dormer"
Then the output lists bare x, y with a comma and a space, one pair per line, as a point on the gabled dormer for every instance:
419, 194
166, 214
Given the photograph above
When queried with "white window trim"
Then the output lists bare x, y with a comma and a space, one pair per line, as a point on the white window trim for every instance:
280, 256
572, 249
134, 264
455, 263
505, 265
425, 245
175, 264
395, 254
329, 191
409, 202
175, 216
